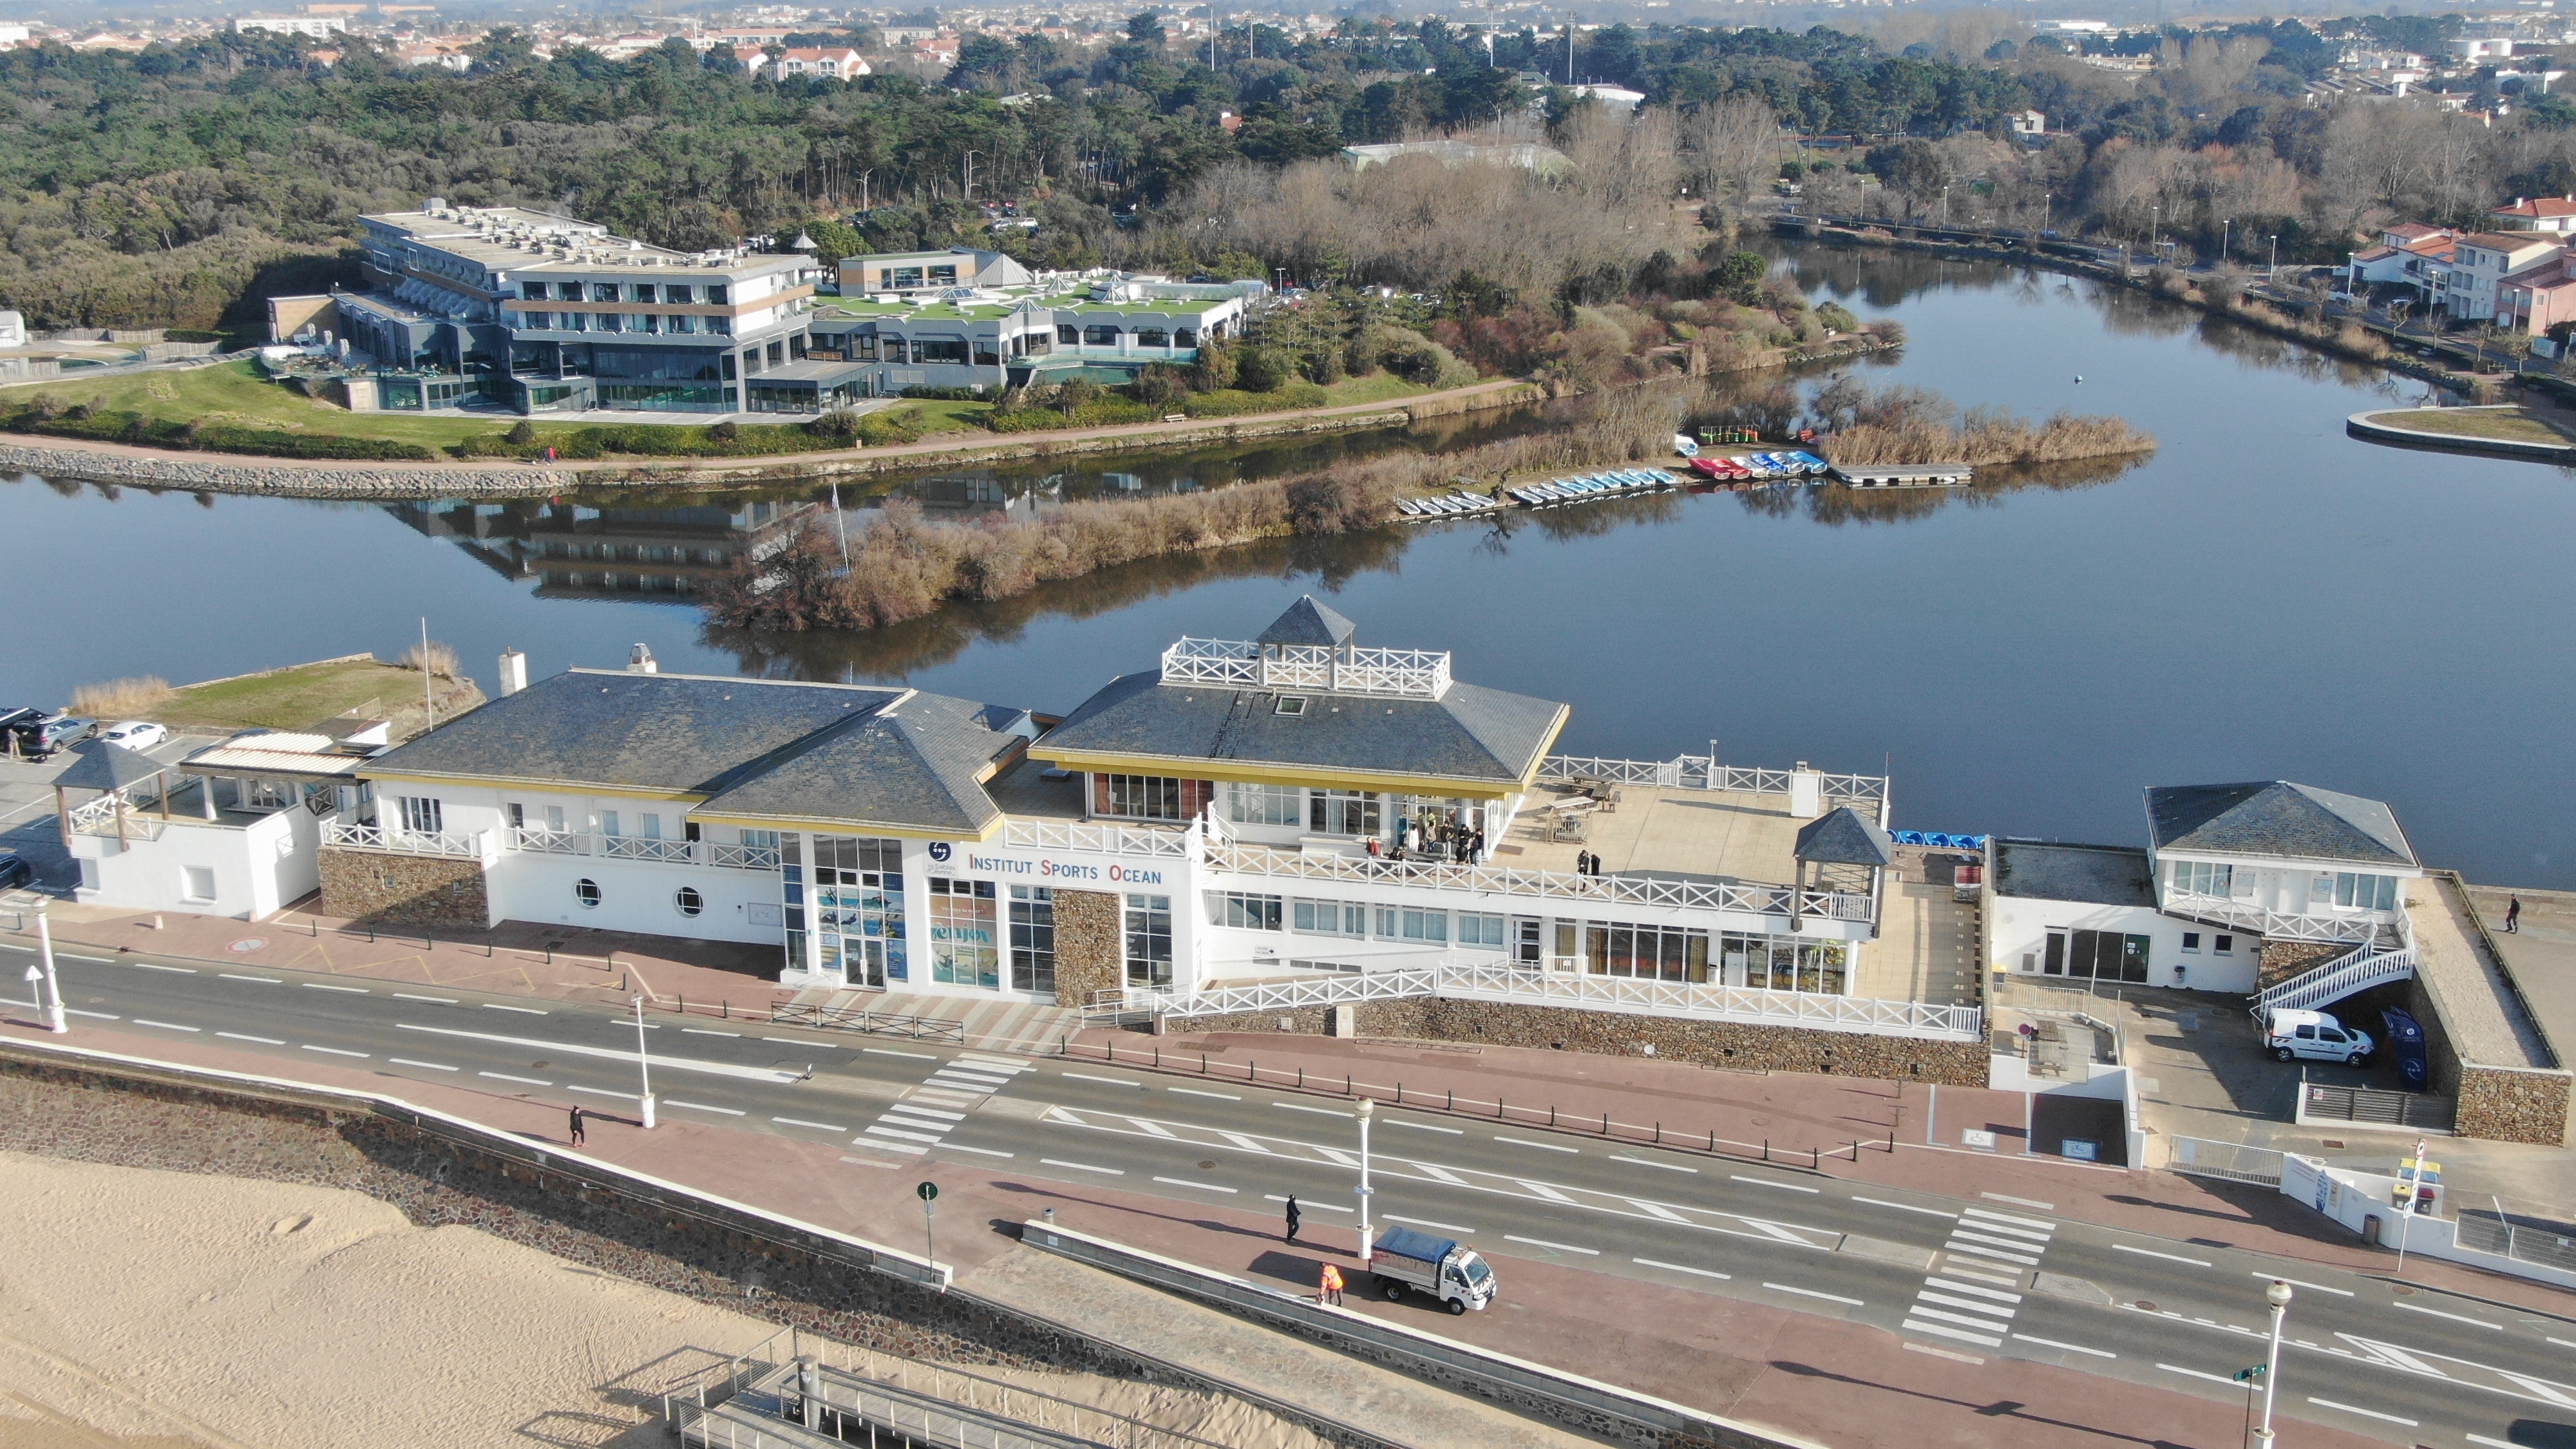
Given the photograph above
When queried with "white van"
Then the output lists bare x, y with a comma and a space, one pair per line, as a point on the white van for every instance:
2314, 1036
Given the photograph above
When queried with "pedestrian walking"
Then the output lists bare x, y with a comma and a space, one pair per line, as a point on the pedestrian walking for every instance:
579, 1136
1293, 1217
2512, 915
1329, 1287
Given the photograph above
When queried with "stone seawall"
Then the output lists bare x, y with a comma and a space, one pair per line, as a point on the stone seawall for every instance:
278, 477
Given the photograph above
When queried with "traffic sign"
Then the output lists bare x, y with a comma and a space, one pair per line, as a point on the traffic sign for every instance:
927, 1191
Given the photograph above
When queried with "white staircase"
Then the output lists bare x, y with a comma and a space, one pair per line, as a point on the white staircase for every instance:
2363, 966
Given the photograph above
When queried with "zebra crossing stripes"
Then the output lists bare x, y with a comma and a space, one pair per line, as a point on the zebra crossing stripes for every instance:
937, 1107
1971, 1296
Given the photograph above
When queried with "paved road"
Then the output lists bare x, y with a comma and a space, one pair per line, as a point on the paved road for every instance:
1992, 1277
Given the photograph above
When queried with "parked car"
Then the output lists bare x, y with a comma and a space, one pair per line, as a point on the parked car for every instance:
48, 734
15, 873
135, 734
2314, 1036
10, 719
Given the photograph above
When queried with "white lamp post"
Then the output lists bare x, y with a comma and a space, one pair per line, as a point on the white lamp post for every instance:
1367, 1108
2278, 1295
50, 994
643, 1067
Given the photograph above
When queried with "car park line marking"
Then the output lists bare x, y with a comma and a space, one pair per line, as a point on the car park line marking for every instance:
683, 1064
686, 1030
1318, 1111
320, 986
164, 1025
1544, 1243
1301, 1202
265, 980
2042, 1224
2438, 1313
1084, 1166
432, 1066
1542, 1146
2069, 1347
1426, 1127
1428, 1223
262, 1040
601, 1092
522, 1010
801, 1122
506, 1077
1812, 1293
2197, 1374
1195, 1092
1650, 1162
1201, 1186
2178, 1258
1916, 1325
1766, 1182
978, 1151
1088, 1077
702, 1107
891, 1052
154, 966
441, 1000
1905, 1207
2319, 1287
335, 1051
1681, 1268
2365, 1413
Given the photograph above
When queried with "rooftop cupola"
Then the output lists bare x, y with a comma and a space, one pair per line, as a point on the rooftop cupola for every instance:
1309, 647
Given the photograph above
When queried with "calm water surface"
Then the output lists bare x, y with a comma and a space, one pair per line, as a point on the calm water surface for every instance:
2263, 598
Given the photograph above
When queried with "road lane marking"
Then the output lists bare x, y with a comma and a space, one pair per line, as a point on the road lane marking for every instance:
506, 1077
1943, 1352
881, 1130
1426, 1127
945, 1097
1195, 1092
806, 1041
2002, 1311
1994, 1293
335, 1051
1682, 1268
1318, 1111
319, 986
164, 1025
978, 1151
432, 1066
1916, 1325
1953, 1268
1767, 1182
2319, 1287
891, 1052
1560, 1247
999, 1064
977, 1086
1992, 1240
2563, 1343
701, 1107
2197, 1374
522, 1010
818, 1126
992, 1080
157, 966
441, 1000
1084, 1167
2177, 1258
2024, 1259
1917, 1310
1812, 1293
76, 1011
1542, 1146
685, 1064
1650, 1162
2438, 1313
910, 1110
1987, 1222
2046, 1207
2069, 1347
1085, 1077
685, 1031
907, 1147
2042, 1224
1154, 1129
2495, 1443
262, 1040
1309, 1205
2365, 1413
599, 1092
1201, 1186
1428, 1223
1904, 1207
265, 980
1246, 1143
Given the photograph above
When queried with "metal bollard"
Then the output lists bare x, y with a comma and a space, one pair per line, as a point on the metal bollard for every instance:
727, 1008
1605, 1124
1301, 1079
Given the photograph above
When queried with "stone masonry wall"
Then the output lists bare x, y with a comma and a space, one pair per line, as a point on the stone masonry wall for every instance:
2505, 1104
2281, 960
1088, 956
405, 890
2442, 1058
1741, 1045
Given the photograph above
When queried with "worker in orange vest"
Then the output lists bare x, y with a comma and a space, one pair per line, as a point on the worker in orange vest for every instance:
1329, 1290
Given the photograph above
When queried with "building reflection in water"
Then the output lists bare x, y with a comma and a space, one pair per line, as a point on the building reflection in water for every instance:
582, 551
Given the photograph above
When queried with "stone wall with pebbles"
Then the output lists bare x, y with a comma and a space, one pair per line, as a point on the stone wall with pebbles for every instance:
212, 473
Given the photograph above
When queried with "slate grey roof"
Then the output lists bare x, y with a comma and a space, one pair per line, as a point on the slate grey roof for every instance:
1844, 837
860, 754
1307, 622
2276, 818
2101, 875
105, 766
1470, 733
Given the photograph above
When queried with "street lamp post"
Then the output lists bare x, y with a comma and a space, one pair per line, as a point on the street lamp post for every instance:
643, 1068
1367, 1108
2226, 225
2278, 1295
2275, 239
52, 993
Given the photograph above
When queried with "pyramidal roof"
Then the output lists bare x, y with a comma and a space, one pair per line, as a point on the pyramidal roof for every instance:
109, 766
2276, 818
1308, 622
1845, 837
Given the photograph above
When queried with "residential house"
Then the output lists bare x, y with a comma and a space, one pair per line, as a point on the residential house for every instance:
2537, 300
2409, 254
835, 62
2028, 125
2482, 261
2555, 215
317, 27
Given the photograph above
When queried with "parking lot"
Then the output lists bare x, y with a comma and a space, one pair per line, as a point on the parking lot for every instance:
27, 807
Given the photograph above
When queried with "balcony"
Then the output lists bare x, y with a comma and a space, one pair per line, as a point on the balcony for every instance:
2354, 927
1243, 664
534, 840
1737, 896
1096, 837
386, 840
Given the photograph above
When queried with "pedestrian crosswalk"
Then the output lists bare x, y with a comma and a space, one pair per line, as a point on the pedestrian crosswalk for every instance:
937, 1107
1973, 1292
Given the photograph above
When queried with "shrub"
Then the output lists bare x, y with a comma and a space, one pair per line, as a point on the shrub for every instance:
883, 429
1837, 316
947, 394
433, 658
1260, 370
723, 432
523, 433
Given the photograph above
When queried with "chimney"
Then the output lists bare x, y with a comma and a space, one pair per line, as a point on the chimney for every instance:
514, 672
640, 661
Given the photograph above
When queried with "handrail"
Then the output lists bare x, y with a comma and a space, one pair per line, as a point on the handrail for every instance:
2336, 978
350, 835
734, 856
1703, 772
640, 847
2221, 910
1102, 837
113, 814
1762, 900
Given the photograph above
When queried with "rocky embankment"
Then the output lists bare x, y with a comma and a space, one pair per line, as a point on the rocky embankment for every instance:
280, 478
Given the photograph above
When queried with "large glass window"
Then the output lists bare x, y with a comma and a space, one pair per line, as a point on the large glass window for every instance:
1328, 918
858, 905
1244, 911
1149, 941
965, 946
1342, 812
941, 349
1265, 804
1033, 939
1412, 923
421, 814
2100, 955
2200, 878
2365, 892
1658, 953
1475, 928
1144, 797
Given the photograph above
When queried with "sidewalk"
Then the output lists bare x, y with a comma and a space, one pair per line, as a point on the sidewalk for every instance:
1810, 1376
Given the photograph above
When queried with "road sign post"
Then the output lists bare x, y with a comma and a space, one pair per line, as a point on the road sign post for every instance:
928, 1192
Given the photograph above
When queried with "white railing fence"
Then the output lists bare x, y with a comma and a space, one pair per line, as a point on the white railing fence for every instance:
1098, 837
1761, 900
735, 856
1243, 664
549, 842
349, 835
102, 816
1510, 983
2271, 925
638, 847
536, 840
1864, 793
2336, 979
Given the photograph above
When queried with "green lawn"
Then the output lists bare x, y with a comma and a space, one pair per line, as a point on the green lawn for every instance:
2514, 425
236, 393
1375, 387
942, 415
297, 698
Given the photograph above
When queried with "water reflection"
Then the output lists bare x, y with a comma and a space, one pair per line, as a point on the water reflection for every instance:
583, 551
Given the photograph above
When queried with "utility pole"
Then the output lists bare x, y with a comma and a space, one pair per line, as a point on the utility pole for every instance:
428, 678
1367, 1108
2278, 1295
42, 982
643, 1066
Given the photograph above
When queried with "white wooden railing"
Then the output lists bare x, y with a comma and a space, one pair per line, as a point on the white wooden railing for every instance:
549, 842
2336, 979
1474, 981
537, 840
1242, 664
736, 856
1759, 900
1863, 793
2273, 925
349, 835
640, 847
101, 817
1098, 837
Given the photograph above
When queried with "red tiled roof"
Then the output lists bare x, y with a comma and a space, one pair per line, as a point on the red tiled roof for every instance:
2436, 249
2413, 231
2374, 254
2506, 241
2539, 206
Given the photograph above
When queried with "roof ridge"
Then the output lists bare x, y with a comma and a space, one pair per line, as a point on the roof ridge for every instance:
737, 679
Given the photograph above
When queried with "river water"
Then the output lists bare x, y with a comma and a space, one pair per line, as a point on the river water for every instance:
2262, 598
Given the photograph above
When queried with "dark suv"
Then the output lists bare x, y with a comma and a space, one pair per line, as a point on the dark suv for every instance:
15, 872
47, 734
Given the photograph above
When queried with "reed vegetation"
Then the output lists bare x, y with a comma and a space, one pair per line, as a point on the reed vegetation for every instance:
1901, 424
123, 698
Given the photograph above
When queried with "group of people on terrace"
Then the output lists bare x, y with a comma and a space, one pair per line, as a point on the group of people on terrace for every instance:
1432, 835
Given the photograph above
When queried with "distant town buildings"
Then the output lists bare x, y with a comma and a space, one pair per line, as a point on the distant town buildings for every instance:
319, 27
